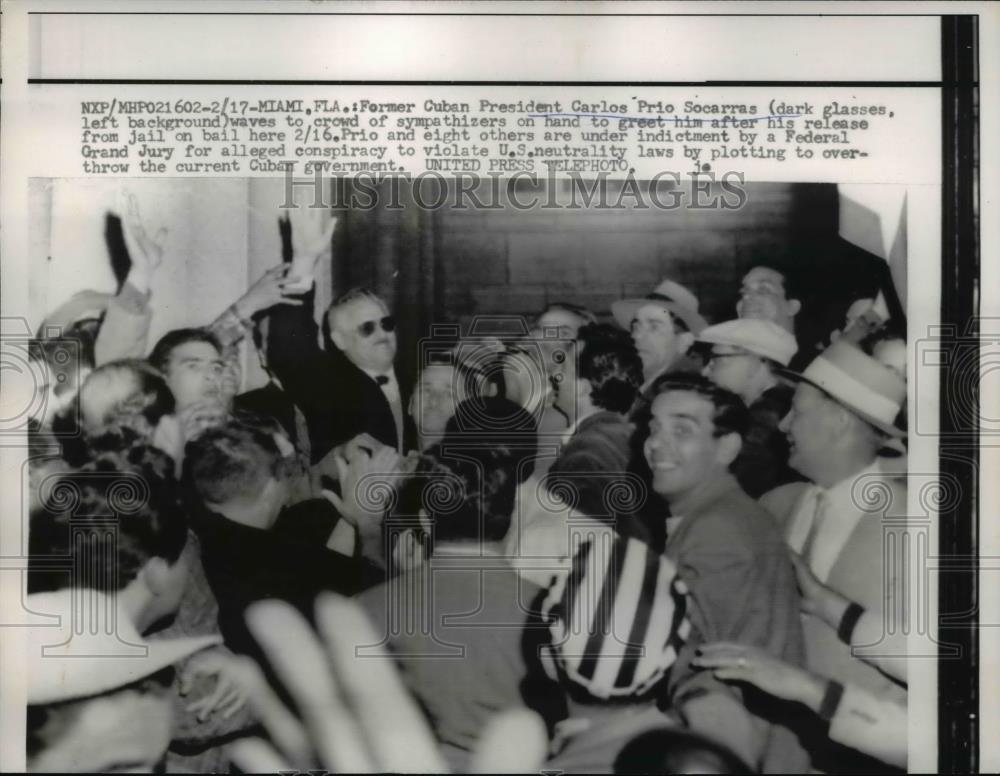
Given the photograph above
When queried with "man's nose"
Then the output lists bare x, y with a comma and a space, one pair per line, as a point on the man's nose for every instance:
785, 424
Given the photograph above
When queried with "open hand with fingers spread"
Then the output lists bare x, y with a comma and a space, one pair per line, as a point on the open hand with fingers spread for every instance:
310, 241
367, 482
228, 696
268, 291
145, 252
356, 715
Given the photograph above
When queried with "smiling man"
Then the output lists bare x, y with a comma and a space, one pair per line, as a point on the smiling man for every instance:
731, 555
844, 410
764, 295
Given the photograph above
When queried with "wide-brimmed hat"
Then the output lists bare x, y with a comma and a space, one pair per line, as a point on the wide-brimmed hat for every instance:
762, 338
671, 296
857, 381
91, 648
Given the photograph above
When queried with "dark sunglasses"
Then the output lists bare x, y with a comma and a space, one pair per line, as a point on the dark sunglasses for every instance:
367, 328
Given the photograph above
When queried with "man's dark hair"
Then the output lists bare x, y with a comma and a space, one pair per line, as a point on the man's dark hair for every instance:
163, 350
731, 414
107, 518
608, 360
468, 377
675, 750
468, 481
235, 459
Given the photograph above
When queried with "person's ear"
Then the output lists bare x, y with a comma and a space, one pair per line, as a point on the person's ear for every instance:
338, 338
794, 306
729, 447
684, 341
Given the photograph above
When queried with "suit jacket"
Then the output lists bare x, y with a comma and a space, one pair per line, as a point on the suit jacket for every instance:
862, 573
762, 464
338, 399
341, 401
742, 589
245, 564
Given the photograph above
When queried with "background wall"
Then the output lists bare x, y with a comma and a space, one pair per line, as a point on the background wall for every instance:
446, 265
505, 261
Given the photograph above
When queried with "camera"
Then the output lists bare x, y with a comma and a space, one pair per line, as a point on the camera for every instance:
42, 377
502, 356
964, 360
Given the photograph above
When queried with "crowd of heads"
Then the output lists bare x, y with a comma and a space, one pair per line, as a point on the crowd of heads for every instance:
142, 444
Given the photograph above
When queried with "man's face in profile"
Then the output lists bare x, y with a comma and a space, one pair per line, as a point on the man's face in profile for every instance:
434, 399
658, 343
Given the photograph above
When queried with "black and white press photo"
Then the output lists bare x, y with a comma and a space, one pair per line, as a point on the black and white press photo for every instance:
474, 389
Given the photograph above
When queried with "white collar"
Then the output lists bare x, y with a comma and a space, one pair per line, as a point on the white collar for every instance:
843, 489
391, 374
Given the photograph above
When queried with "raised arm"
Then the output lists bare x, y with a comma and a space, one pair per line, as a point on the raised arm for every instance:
125, 330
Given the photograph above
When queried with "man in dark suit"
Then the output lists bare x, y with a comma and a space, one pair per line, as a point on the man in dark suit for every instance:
351, 388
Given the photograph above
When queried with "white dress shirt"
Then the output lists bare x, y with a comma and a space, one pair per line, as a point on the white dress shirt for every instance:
838, 514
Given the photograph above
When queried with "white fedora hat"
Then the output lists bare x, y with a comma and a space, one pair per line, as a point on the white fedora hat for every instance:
870, 390
669, 295
91, 647
757, 336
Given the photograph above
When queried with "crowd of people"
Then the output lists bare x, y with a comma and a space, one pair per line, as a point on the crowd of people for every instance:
632, 544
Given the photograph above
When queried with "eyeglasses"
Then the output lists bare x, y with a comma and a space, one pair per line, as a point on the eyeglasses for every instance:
367, 328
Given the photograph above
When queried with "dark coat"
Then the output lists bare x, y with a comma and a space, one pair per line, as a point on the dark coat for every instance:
763, 460
338, 399
595, 466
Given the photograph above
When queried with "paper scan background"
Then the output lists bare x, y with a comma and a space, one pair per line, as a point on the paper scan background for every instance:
571, 48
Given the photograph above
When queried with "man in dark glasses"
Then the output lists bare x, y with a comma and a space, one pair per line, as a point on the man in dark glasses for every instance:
366, 397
